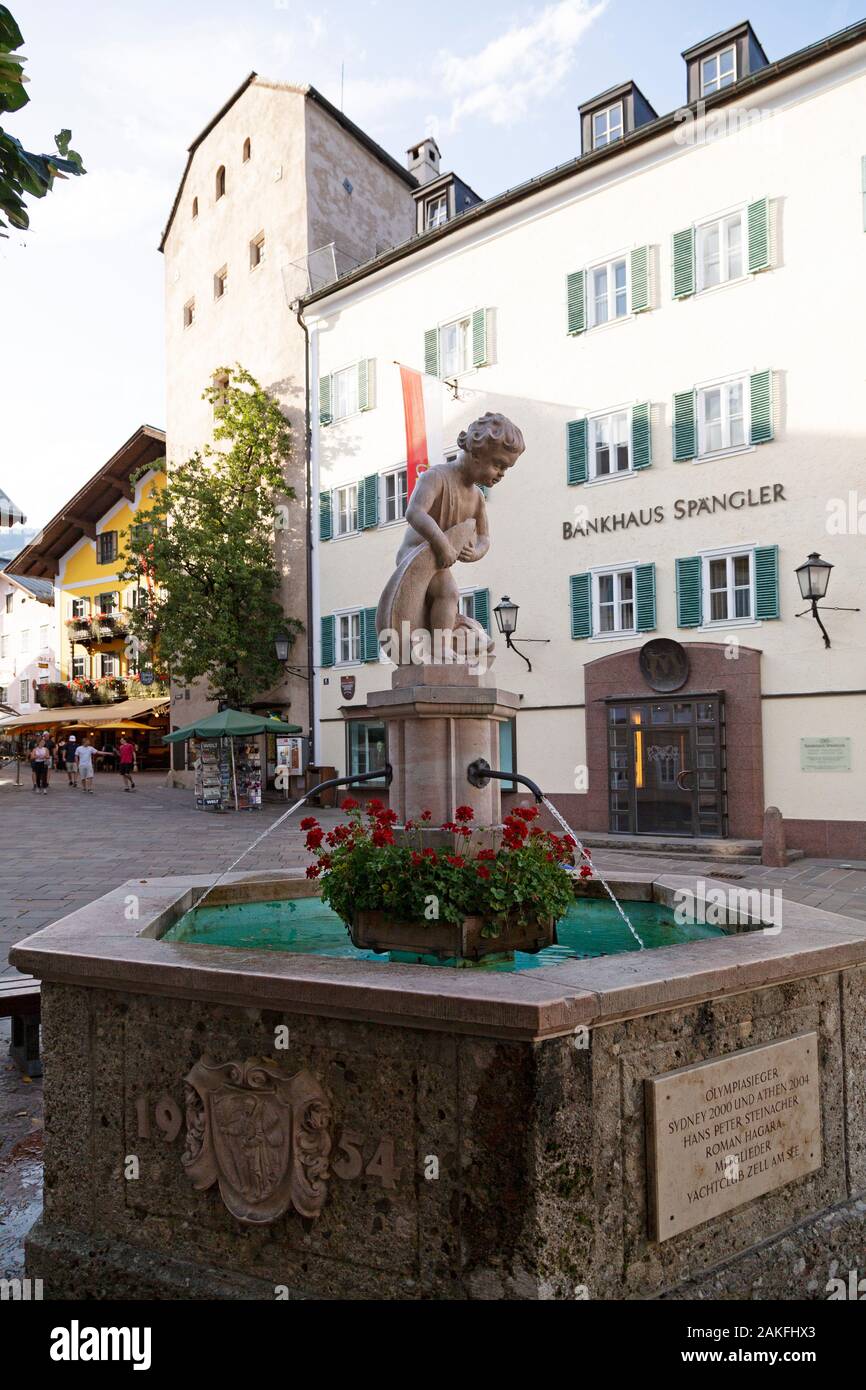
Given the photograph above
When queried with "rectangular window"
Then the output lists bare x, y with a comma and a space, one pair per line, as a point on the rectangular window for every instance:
44, 635
79, 668
80, 607
344, 393
607, 126
722, 422
728, 582
467, 604
349, 637
366, 746
455, 347
23, 692
608, 292
106, 547
719, 70
436, 212
8, 603
257, 250
109, 664
137, 598
189, 313
106, 604
24, 640
720, 250
609, 451
4, 694
346, 510
394, 495
4, 646
220, 282
613, 601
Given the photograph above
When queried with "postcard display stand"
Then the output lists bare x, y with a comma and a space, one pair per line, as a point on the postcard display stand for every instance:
248, 771
213, 776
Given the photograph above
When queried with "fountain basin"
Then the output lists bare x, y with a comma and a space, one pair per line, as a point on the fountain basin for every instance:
487, 1128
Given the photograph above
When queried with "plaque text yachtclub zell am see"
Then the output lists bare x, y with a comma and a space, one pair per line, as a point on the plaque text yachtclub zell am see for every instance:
723, 1132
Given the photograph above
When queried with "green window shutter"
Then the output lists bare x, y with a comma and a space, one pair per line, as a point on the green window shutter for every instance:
368, 503
576, 451
328, 626
325, 517
482, 608
645, 597
767, 581
431, 352
683, 256
369, 635
685, 441
759, 234
365, 384
324, 400
641, 435
640, 279
689, 603
479, 338
762, 407
576, 302
581, 605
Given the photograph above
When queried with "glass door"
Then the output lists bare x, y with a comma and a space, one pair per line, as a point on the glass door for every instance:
666, 767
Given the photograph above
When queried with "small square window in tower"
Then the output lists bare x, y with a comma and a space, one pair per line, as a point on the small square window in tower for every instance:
189, 313
257, 250
220, 282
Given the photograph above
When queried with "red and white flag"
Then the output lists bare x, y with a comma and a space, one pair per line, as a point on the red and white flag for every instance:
422, 409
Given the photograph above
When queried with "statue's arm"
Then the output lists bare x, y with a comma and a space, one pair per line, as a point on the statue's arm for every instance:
418, 516
481, 544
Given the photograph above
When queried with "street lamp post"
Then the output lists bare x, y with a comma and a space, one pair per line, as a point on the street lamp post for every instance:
813, 576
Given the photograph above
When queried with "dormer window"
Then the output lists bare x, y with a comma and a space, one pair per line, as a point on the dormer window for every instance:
718, 70
607, 126
436, 212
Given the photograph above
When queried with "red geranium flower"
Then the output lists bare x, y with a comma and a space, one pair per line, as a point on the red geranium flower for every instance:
431, 855
386, 817
457, 860
349, 804
309, 823
382, 836
450, 825
526, 812
409, 825
482, 872
426, 815
585, 871
417, 859
313, 871
464, 813
374, 805
315, 837
487, 854
325, 861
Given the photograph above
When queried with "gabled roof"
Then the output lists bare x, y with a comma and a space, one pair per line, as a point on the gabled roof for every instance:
41, 589
40, 559
311, 94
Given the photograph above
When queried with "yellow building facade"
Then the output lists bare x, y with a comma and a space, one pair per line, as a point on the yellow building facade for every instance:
94, 603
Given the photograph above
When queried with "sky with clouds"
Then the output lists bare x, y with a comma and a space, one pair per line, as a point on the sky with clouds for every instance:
136, 80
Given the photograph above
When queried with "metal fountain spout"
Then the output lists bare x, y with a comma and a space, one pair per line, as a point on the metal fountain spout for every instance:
480, 772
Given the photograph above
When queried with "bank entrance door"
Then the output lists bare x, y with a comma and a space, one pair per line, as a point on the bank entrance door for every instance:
666, 761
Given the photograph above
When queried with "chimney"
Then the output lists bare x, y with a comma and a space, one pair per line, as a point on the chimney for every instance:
422, 160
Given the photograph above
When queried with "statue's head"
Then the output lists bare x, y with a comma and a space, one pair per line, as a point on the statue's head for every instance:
491, 445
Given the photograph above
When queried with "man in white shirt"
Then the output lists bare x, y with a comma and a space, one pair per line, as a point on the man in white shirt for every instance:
84, 755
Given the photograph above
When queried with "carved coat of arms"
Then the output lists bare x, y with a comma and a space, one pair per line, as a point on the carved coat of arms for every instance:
263, 1136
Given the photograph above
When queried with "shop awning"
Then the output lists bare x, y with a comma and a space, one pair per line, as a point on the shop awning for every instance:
231, 722
90, 715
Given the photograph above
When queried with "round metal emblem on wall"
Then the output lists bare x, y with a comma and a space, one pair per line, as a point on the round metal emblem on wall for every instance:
347, 687
664, 664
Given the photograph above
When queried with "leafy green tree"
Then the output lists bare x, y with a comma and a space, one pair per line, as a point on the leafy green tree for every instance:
204, 553
20, 171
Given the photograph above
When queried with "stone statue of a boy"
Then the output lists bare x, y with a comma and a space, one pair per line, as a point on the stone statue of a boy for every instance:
447, 494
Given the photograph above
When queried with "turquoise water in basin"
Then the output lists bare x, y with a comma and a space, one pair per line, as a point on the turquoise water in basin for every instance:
307, 927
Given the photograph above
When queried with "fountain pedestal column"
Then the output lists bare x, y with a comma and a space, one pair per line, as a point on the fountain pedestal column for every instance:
439, 719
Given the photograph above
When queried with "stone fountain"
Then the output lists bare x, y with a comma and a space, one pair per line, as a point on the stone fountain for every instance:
682, 1122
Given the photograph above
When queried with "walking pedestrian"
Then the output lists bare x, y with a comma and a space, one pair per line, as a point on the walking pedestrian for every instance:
40, 757
84, 755
127, 764
71, 764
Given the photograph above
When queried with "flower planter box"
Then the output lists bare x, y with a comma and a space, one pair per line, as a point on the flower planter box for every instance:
374, 931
